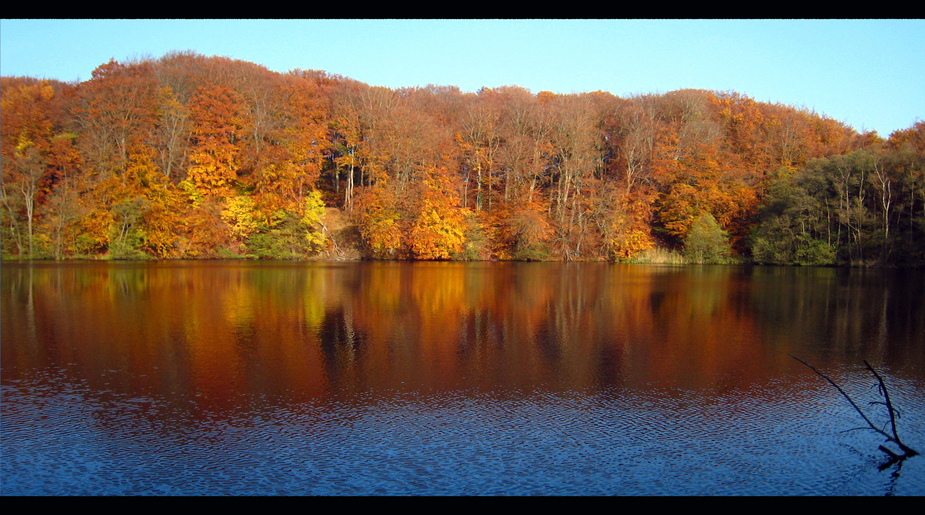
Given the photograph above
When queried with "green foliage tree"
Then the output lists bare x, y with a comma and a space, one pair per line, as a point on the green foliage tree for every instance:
126, 234
792, 228
706, 242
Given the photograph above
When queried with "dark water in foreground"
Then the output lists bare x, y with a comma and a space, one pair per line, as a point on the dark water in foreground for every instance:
237, 378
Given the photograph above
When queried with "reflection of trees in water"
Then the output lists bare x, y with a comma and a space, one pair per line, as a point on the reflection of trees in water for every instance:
848, 314
295, 330
341, 346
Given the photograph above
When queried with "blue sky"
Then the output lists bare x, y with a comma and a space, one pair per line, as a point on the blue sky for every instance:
869, 74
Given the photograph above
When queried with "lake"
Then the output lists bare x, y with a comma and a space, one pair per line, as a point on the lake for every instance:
388, 378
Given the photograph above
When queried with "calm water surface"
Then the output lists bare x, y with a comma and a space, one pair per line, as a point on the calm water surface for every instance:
235, 378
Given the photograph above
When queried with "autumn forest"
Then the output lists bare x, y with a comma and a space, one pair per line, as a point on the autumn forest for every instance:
194, 157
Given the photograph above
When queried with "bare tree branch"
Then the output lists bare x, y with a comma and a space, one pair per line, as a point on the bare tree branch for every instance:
889, 406
883, 391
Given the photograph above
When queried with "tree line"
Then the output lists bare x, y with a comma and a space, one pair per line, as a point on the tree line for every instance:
187, 156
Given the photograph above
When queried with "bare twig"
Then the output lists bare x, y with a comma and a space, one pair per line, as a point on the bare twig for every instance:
889, 407
908, 451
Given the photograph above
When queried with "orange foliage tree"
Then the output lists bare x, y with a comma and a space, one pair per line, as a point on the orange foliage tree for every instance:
380, 221
706, 182
28, 149
217, 123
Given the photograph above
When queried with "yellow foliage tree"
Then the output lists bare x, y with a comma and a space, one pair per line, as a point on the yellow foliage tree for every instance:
438, 232
312, 221
438, 229
379, 221
242, 216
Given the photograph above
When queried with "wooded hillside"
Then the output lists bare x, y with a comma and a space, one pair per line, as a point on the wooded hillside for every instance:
188, 156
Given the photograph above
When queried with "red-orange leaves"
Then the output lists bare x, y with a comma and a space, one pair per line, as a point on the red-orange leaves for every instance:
216, 112
707, 182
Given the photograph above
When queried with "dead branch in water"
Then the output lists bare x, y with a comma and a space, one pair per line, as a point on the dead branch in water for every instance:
894, 457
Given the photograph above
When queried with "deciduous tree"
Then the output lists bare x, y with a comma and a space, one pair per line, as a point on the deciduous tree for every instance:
217, 125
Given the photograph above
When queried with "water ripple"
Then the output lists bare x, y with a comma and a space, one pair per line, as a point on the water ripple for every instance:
450, 443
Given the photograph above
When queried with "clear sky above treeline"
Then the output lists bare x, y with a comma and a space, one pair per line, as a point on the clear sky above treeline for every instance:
869, 74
